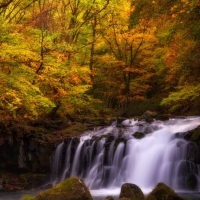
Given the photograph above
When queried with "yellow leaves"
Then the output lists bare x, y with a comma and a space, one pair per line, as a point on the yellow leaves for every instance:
75, 80
184, 6
10, 100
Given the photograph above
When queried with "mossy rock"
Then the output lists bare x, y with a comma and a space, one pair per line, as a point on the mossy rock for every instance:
149, 113
70, 189
163, 117
131, 192
138, 135
146, 119
148, 116
163, 192
196, 134
100, 138
193, 135
191, 181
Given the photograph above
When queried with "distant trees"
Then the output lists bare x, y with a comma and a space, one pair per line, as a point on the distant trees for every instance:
71, 56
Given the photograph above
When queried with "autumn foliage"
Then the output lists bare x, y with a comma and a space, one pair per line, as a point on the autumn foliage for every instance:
81, 57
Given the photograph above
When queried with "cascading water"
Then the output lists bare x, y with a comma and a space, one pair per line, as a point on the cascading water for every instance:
108, 157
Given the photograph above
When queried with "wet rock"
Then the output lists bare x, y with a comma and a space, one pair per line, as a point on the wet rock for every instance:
117, 141
191, 181
138, 135
149, 113
148, 116
193, 153
120, 120
193, 135
107, 144
131, 192
70, 189
163, 117
163, 192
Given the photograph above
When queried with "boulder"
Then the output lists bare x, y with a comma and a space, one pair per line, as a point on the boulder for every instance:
70, 189
138, 135
163, 192
149, 113
193, 135
191, 181
131, 192
148, 116
163, 117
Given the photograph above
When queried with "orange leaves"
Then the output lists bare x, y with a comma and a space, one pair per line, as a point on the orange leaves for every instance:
74, 80
133, 70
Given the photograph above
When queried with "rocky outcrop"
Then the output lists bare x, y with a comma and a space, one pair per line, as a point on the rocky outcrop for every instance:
193, 135
70, 189
131, 192
26, 147
163, 192
148, 116
163, 117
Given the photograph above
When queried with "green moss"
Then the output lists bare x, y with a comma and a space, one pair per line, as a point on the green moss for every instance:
27, 197
196, 135
138, 135
71, 189
162, 192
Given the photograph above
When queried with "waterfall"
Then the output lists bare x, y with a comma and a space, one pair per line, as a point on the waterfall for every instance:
56, 163
108, 157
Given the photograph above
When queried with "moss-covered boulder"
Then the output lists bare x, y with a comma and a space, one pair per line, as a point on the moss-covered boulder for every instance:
149, 113
163, 192
148, 116
138, 135
131, 192
70, 189
193, 135
163, 117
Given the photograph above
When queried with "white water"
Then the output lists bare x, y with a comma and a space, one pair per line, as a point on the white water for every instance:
159, 157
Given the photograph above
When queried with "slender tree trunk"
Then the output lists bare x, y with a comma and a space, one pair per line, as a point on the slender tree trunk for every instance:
93, 48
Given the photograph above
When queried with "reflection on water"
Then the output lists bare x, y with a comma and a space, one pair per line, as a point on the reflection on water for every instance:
191, 196
19, 195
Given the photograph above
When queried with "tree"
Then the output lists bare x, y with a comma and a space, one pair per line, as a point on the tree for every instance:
182, 58
126, 57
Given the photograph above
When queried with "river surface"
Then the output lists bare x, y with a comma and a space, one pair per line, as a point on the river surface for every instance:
19, 195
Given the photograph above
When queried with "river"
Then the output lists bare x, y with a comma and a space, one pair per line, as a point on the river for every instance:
19, 195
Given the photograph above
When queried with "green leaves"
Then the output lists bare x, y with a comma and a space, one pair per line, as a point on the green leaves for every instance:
183, 95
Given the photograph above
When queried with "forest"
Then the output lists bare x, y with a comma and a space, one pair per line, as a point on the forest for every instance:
78, 58
67, 66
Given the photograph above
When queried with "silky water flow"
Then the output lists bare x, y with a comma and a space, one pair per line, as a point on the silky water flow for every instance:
108, 157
